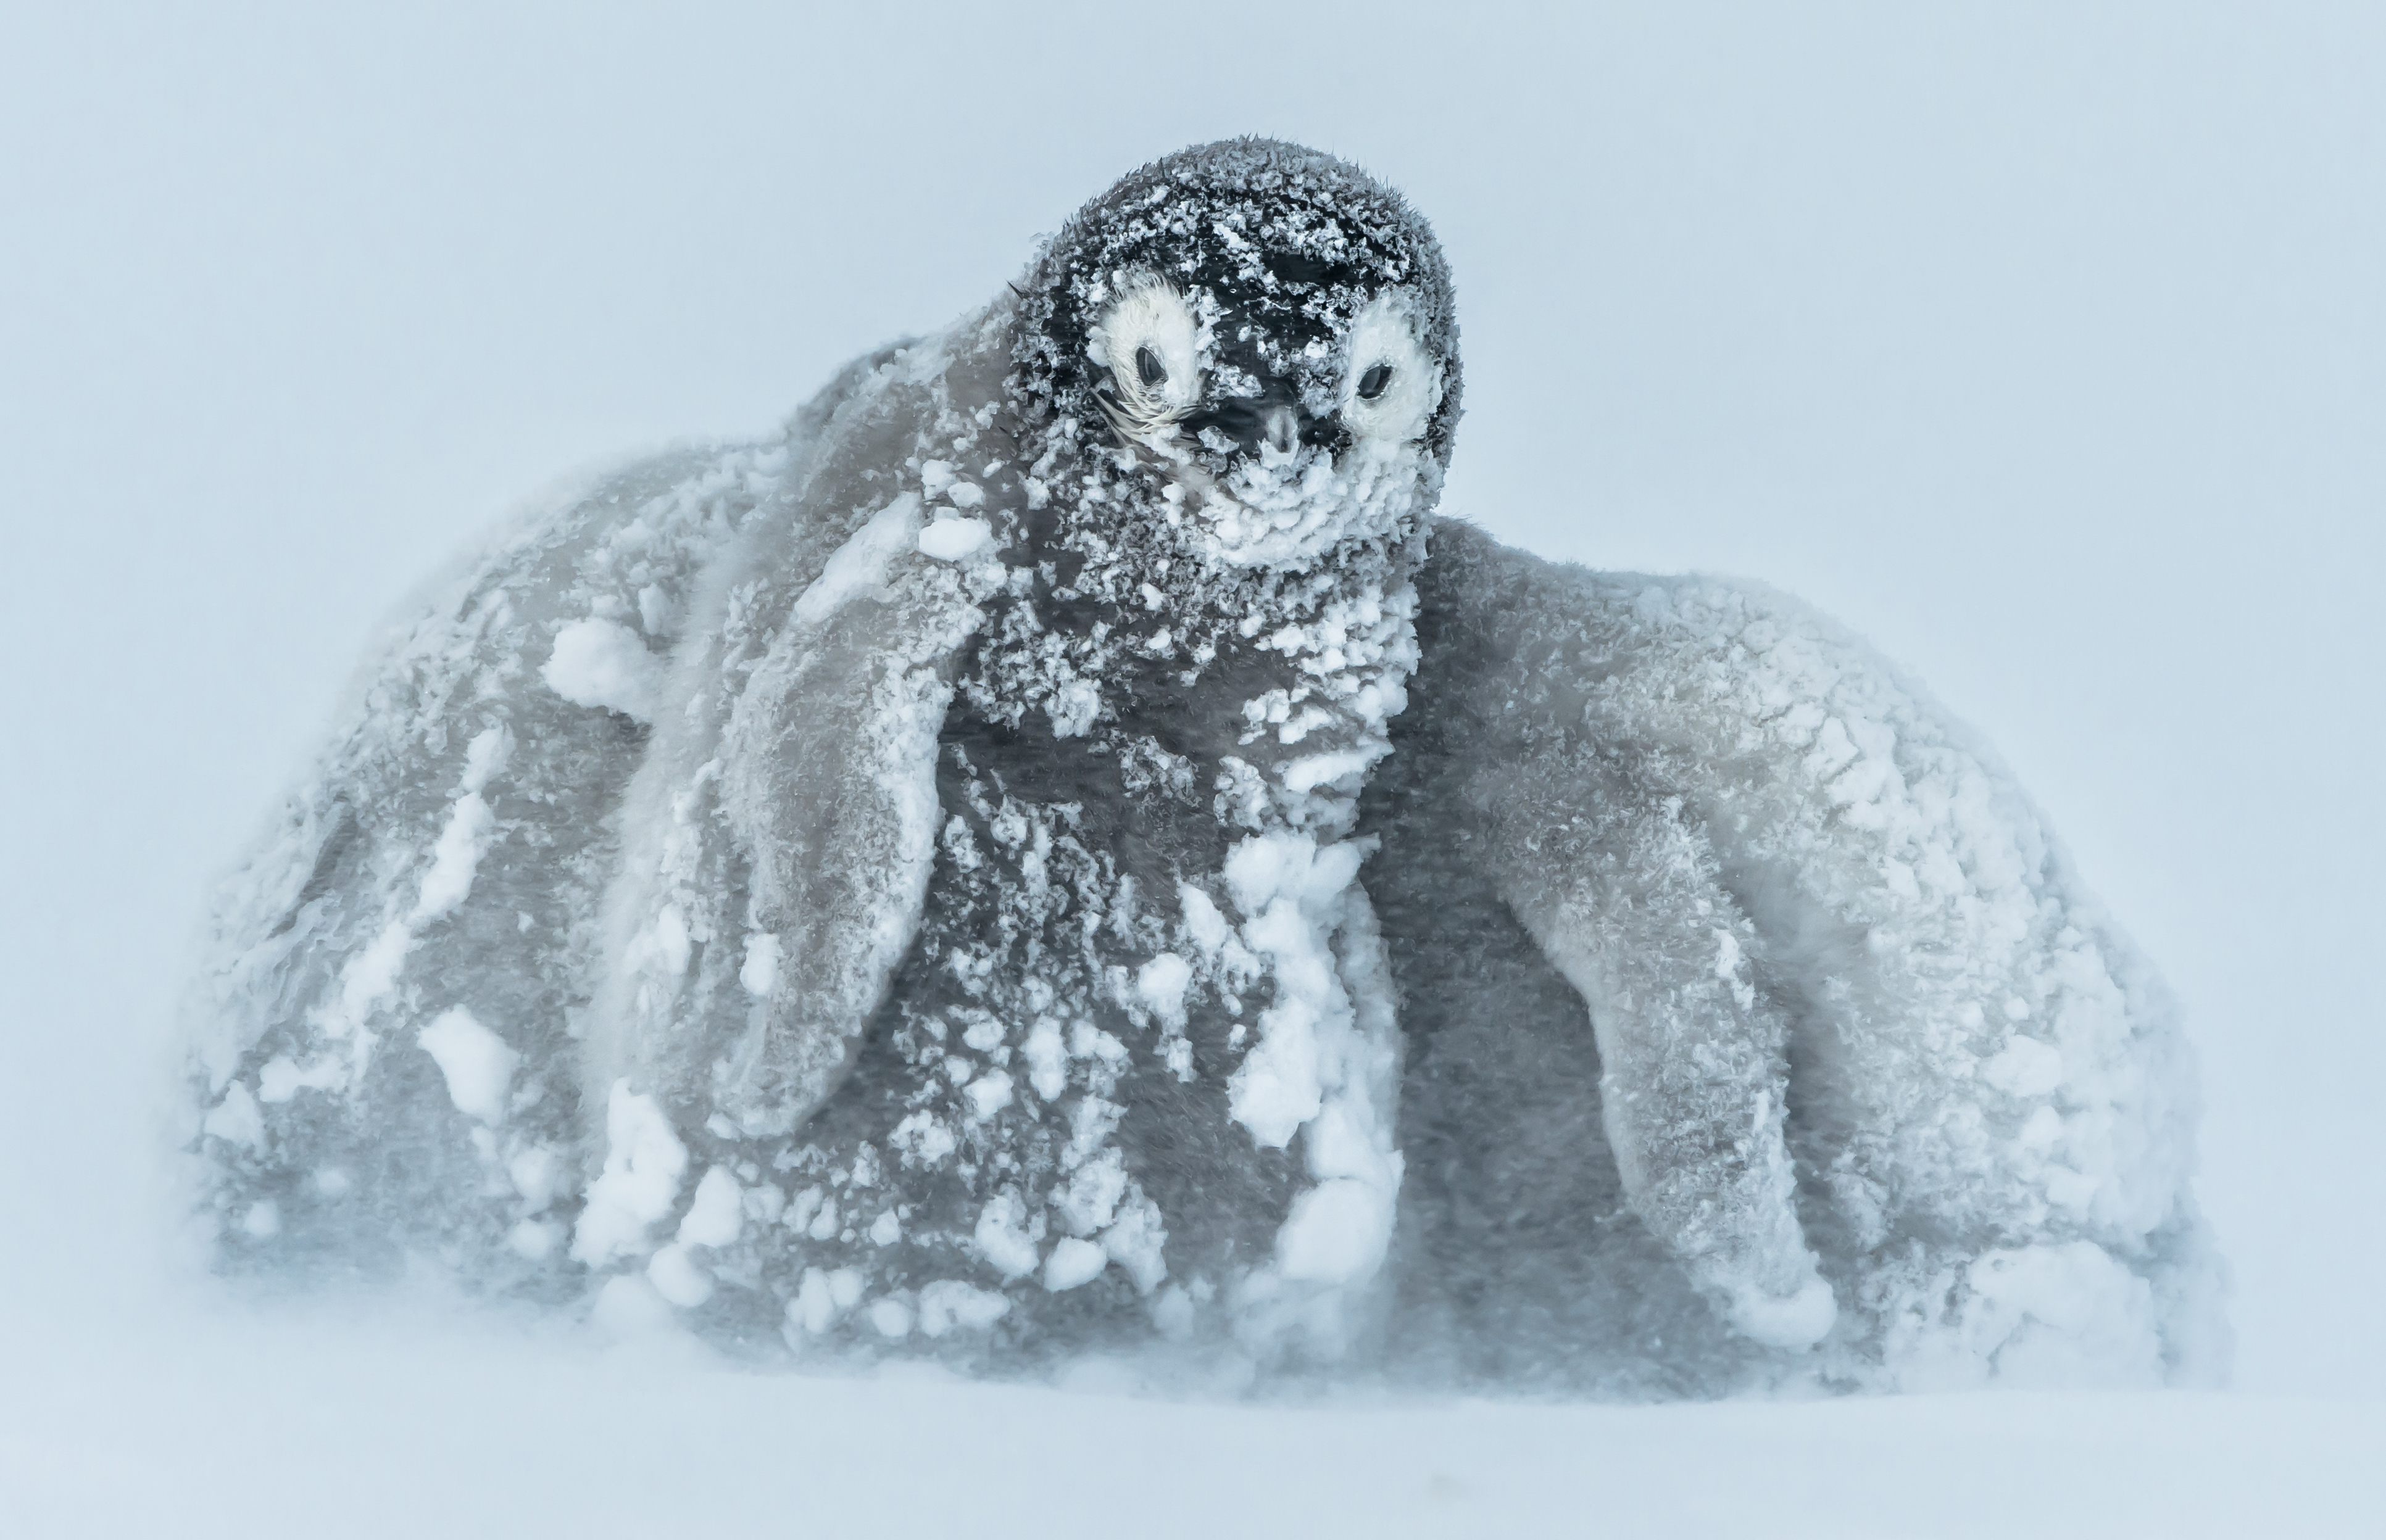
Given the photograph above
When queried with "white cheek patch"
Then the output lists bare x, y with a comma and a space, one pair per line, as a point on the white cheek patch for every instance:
1383, 336
1149, 314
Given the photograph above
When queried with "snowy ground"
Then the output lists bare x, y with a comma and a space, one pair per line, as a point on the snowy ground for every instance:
383, 1427
2042, 343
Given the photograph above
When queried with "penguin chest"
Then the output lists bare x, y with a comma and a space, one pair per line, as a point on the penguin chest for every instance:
1130, 1073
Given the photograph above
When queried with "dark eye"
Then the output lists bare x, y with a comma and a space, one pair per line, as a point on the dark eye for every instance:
1147, 368
1372, 383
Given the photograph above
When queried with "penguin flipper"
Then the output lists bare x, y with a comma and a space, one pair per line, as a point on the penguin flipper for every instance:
1613, 875
776, 866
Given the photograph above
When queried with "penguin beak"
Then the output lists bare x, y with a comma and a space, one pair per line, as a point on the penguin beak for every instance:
1280, 428
1269, 426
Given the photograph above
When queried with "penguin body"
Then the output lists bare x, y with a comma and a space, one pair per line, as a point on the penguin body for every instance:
1056, 851
1722, 953
958, 923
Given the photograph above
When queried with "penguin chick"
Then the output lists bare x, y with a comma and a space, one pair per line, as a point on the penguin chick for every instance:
896, 882
900, 883
1758, 1031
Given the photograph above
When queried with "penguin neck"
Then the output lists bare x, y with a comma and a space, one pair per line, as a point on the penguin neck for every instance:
1267, 717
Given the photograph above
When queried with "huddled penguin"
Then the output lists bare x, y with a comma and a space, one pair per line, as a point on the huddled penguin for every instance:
1034, 860
1756, 1028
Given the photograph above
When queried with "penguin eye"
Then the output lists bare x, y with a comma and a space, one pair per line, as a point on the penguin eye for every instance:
1150, 346
1393, 397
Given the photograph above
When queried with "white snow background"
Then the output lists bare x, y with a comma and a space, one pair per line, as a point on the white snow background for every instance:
2043, 344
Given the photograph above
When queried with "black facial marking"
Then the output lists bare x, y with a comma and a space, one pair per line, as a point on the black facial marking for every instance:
1372, 383
1245, 420
1147, 368
1295, 267
1277, 250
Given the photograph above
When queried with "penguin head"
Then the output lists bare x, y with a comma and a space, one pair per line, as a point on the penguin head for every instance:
1259, 339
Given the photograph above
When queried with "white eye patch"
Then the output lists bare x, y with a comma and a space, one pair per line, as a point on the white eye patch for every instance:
1391, 388
1151, 344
